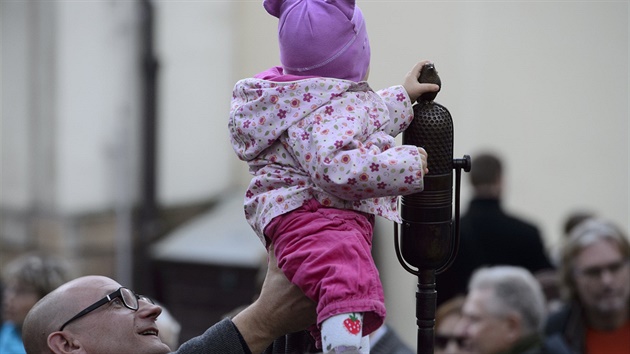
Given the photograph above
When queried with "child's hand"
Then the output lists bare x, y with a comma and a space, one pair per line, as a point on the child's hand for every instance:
413, 87
423, 157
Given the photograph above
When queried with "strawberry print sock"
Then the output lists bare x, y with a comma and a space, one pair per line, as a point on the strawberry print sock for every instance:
343, 334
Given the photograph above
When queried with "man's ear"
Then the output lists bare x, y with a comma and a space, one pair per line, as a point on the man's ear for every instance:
514, 325
64, 343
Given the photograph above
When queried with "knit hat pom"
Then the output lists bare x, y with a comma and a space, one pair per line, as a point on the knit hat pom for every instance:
273, 7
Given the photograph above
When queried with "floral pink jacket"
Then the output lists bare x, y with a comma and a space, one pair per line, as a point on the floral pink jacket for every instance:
322, 138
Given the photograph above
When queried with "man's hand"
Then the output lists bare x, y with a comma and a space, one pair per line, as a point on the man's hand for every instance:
280, 309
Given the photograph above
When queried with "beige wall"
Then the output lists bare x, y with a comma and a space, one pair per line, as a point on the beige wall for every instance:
543, 83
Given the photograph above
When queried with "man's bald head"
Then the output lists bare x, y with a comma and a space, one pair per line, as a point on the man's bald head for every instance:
57, 307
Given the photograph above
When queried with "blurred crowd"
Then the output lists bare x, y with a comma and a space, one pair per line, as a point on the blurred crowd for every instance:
504, 294
506, 309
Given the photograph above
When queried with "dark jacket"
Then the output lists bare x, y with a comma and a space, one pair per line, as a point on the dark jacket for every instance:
221, 338
293, 343
565, 330
490, 237
529, 345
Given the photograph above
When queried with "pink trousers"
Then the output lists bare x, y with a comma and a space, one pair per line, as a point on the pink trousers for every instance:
327, 253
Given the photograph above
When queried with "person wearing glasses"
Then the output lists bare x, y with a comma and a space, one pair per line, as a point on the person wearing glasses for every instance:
95, 314
595, 275
449, 338
27, 279
504, 312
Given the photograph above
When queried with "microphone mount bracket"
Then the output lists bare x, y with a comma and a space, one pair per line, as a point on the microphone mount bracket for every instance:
465, 163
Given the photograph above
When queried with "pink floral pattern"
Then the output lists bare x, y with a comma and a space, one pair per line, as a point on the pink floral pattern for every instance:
322, 138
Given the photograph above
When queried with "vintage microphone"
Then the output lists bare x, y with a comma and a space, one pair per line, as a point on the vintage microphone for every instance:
428, 241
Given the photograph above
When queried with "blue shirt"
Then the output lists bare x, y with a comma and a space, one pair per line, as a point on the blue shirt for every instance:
10, 339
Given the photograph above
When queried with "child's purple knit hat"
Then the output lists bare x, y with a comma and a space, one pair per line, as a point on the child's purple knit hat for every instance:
321, 38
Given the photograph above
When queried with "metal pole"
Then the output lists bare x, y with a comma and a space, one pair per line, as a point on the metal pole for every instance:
122, 205
426, 297
147, 223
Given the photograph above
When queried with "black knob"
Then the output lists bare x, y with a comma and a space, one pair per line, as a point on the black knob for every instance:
428, 75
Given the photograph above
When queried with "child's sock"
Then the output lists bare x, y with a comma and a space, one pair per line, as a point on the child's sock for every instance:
343, 334
365, 345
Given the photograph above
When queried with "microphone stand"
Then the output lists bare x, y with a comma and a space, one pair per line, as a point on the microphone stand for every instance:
426, 295
429, 242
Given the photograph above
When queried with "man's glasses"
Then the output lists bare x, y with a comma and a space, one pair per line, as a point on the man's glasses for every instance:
596, 272
441, 340
129, 299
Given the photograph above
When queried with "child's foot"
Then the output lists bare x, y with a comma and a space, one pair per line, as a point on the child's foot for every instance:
345, 350
343, 334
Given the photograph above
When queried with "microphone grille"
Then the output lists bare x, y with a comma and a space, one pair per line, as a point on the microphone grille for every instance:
432, 129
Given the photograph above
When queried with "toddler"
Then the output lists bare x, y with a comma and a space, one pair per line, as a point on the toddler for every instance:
320, 146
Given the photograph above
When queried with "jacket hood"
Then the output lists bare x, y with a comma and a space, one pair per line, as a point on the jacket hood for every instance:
262, 110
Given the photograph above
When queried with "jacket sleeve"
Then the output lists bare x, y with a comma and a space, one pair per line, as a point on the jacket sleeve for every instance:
222, 338
348, 152
399, 107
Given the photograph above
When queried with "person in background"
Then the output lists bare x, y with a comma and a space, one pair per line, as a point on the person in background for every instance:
96, 315
449, 338
570, 221
595, 274
504, 312
489, 235
574, 219
550, 279
27, 279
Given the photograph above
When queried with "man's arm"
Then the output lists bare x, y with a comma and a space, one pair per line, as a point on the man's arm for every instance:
281, 308
222, 338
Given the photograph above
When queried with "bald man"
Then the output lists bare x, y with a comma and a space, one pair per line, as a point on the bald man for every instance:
94, 315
